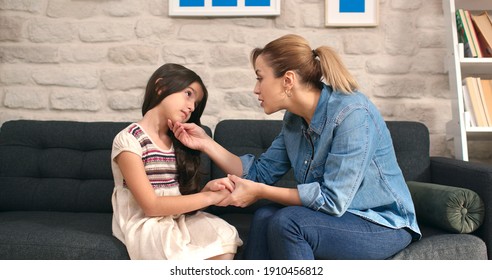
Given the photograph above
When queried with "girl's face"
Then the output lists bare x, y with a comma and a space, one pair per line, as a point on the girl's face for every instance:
269, 89
178, 106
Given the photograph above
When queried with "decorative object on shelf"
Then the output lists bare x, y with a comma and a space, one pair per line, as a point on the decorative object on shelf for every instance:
347, 13
200, 8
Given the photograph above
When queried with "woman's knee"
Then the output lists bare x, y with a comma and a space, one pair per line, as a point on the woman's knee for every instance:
285, 221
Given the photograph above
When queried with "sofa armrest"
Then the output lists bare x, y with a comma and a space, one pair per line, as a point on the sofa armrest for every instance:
471, 175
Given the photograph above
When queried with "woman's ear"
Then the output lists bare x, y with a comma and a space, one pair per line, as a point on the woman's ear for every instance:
289, 79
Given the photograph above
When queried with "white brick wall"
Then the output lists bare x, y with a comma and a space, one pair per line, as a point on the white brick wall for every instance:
90, 60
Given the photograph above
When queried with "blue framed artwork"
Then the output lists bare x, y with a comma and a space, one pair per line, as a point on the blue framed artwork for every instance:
342, 13
224, 7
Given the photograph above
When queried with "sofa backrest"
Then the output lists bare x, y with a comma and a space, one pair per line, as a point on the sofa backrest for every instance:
410, 139
58, 165
65, 165
411, 143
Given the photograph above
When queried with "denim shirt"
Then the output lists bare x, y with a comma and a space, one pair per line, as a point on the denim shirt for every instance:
343, 161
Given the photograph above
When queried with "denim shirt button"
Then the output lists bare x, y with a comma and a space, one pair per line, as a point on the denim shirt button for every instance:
305, 162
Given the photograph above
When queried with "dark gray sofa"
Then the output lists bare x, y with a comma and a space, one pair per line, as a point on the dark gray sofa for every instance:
56, 185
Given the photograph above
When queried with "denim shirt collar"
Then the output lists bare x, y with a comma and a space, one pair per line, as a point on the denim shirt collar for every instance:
320, 114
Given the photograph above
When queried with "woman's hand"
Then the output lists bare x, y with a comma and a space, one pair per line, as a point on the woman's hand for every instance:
221, 190
190, 134
245, 193
220, 198
219, 185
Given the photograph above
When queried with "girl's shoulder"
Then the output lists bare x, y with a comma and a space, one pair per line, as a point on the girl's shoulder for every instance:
129, 137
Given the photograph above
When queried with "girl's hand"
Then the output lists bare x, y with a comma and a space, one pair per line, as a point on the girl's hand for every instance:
190, 134
219, 185
246, 192
219, 197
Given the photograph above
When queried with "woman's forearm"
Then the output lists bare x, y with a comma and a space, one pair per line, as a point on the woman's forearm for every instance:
225, 160
284, 196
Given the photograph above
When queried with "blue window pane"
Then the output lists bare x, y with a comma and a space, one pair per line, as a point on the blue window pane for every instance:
224, 3
257, 3
192, 3
352, 6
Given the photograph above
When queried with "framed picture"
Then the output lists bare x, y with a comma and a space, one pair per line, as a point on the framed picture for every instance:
199, 8
346, 13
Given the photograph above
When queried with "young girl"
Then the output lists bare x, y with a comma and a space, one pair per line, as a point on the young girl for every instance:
351, 200
157, 178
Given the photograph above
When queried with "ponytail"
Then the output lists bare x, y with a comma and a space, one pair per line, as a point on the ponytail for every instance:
334, 71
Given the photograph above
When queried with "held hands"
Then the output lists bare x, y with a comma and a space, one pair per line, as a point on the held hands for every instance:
245, 193
190, 134
220, 189
219, 185
233, 190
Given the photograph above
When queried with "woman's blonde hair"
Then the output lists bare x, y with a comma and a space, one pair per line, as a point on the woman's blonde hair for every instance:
292, 52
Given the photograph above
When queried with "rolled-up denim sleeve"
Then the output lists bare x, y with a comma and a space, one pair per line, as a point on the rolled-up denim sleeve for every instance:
247, 161
310, 195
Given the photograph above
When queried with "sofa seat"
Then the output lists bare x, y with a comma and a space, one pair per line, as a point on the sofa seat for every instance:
446, 246
46, 235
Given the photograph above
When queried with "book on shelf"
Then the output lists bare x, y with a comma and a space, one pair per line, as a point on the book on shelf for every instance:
472, 85
469, 116
473, 33
487, 97
488, 117
483, 27
467, 35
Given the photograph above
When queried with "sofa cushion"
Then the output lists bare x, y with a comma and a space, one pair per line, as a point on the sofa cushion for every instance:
457, 210
445, 247
29, 235
411, 144
56, 165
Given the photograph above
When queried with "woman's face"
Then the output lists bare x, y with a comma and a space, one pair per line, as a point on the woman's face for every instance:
269, 89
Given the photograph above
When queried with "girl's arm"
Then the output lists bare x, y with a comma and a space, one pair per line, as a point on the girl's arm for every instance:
194, 137
133, 171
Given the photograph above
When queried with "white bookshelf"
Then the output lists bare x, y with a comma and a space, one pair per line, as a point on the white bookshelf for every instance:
460, 67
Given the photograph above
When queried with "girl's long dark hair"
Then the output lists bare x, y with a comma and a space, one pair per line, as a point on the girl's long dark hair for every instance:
166, 80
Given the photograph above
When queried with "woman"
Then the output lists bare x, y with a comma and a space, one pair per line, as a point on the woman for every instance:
351, 201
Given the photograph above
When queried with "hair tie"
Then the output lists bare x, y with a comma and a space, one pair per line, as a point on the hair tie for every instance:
315, 55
